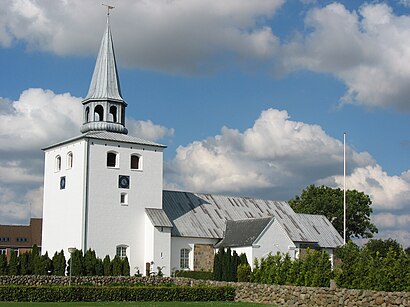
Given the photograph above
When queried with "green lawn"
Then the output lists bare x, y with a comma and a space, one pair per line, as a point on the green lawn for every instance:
131, 304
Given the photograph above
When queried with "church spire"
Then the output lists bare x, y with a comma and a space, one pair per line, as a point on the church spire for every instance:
104, 107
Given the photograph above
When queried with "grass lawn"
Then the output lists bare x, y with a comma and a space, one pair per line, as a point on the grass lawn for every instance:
131, 304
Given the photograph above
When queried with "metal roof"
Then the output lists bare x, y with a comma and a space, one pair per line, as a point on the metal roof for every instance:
205, 215
105, 83
158, 217
243, 232
109, 136
322, 229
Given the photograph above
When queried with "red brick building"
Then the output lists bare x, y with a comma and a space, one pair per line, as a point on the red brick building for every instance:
20, 238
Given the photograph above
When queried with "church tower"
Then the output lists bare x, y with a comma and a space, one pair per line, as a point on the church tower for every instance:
103, 188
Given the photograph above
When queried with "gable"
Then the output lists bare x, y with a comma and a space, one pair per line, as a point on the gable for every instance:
243, 232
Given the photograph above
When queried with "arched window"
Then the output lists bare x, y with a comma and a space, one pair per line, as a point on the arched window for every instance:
98, 113
58, 163
69, 160
121, 251
136, 162
184, 259
112, 159
87, 115
113, 114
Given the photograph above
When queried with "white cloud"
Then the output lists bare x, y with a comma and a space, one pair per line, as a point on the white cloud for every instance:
182, 35
148, 130
38, 118
269, 158
387, 192
366, 49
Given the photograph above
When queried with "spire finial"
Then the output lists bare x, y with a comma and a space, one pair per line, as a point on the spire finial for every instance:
109, 7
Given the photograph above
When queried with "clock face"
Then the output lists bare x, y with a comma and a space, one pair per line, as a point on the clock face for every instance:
124, 182
62, 183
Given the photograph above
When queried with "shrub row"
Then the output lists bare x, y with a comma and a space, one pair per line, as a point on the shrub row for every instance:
93, 294
202, 275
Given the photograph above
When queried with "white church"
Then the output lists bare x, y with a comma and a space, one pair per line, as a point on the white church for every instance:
104, 190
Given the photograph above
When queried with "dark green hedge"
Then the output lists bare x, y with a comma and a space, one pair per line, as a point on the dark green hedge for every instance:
195, 275
93, 294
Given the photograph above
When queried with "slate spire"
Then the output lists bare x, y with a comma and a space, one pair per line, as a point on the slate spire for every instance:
104, 107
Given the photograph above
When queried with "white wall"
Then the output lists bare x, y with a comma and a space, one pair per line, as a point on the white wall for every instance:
63, 210
247, 250
272, 240
178, 243
109, 223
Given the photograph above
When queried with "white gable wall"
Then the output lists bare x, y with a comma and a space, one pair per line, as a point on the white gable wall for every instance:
272, 240
157, 248
63, 209
109, 223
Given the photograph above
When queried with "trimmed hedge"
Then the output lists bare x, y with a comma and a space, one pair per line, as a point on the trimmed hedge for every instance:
202, 275
93, 294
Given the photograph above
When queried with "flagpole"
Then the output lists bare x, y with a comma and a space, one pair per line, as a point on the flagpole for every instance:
344, 188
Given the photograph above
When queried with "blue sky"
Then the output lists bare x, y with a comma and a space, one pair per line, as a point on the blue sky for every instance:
251, 97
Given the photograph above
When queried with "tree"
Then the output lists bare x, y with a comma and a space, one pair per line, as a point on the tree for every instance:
382, 247
13, 268
76, 260
125, 267
218, 264
24, 260
329, 202
116, 264
90, 262
59, 263
107, 268
3, 264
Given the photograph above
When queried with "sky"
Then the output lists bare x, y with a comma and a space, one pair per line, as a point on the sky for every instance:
251, 97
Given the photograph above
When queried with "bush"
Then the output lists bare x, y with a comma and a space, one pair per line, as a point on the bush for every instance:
244, 273
195, 274
93, 294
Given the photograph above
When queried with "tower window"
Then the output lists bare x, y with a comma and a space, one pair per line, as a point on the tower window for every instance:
87, 115
69, 160
124, 199
58, 163
112, 159
98, 113
136, 162
184, 258
113, 114
121, 251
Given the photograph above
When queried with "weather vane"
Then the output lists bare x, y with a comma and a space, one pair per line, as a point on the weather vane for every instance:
109, 7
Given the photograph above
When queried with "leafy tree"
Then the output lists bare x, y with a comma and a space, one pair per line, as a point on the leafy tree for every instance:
407, 251
329, 202
3, 265
382, 247
13, 267
59, 264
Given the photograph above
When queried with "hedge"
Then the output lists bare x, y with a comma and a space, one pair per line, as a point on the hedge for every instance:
93, 294
202, 275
